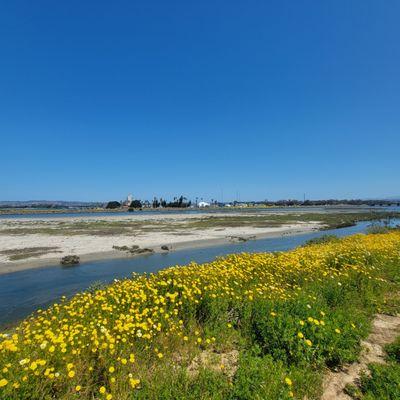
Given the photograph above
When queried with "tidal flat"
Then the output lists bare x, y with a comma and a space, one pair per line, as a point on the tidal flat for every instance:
33, 242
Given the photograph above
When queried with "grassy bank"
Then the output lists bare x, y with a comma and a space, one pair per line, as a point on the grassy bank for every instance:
249, 326
381, 381
330, 220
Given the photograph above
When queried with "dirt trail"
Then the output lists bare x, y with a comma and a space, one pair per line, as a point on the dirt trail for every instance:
385, 329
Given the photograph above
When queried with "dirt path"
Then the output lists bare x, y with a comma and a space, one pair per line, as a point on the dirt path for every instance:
385, 329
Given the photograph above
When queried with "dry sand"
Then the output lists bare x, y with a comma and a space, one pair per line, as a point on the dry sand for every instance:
95, 247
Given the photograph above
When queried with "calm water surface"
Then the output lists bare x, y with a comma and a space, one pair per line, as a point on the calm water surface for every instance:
23, 292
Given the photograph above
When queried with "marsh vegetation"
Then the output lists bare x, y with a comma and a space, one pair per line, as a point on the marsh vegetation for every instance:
104, 227
28, 252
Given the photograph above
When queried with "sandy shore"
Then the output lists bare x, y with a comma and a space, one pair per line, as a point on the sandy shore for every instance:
97, 247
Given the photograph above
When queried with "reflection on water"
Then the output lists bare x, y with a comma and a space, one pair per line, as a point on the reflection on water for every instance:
23, 292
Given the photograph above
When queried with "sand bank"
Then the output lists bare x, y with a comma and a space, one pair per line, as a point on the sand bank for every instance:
97, 247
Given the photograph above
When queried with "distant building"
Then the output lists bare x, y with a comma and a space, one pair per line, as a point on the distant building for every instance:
128, 200
203, 204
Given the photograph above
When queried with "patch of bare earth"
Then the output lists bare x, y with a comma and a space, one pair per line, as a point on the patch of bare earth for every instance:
227, 363
385, 329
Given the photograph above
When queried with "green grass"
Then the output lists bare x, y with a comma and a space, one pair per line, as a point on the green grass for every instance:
382, 380
322, 239
383, 383
28, 252
378, 229
330, 220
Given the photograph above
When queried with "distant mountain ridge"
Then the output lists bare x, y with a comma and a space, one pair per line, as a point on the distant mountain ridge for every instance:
397, 198
49, 203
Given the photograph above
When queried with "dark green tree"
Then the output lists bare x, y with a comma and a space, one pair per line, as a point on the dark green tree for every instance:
111, 205
135, 204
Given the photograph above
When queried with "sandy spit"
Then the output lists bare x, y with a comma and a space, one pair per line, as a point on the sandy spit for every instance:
92, 247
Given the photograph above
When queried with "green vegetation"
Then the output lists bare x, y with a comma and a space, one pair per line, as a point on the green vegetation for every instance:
28, 252
393, 351
112, 205
250, 326
322, 239
135, 227
378, 229
329, 220
135, 204
383, 380
97, 228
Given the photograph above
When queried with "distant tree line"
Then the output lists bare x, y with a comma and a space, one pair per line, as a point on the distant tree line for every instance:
178, 202
183, 202
332, 202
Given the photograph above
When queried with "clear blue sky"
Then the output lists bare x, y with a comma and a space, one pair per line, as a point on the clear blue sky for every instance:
270, 99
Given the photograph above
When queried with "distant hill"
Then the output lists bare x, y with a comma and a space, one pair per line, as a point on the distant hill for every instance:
48, 204
395, 198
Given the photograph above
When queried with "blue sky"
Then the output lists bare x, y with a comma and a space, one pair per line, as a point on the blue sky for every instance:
271, 99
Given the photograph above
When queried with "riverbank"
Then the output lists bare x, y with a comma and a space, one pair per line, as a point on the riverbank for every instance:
38, 242
92, 248
242, 326
21, 293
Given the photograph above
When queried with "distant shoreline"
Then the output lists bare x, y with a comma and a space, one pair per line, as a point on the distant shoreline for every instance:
23, 211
